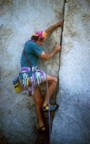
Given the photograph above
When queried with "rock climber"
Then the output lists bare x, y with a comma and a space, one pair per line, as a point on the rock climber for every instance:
33, 50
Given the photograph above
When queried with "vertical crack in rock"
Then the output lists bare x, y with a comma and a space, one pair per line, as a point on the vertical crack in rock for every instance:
63, 25
61, 36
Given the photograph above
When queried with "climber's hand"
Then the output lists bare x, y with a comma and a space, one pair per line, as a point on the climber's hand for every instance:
57, 48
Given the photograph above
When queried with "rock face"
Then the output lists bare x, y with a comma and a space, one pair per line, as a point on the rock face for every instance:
71, 124
18, 21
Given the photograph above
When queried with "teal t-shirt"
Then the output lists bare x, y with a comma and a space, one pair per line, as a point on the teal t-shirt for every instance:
33, 51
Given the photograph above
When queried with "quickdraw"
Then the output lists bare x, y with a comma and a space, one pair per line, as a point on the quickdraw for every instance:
29, 79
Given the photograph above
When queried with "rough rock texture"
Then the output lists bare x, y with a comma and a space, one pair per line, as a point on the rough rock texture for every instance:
72, 121
19, 19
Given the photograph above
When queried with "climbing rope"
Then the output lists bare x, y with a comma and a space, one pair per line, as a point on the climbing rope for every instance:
49, 118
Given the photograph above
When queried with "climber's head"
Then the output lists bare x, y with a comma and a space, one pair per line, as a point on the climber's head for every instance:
39, 37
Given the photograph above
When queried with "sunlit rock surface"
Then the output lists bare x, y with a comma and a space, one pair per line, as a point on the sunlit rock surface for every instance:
72, 121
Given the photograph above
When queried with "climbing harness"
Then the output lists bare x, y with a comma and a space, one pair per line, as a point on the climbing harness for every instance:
31, 78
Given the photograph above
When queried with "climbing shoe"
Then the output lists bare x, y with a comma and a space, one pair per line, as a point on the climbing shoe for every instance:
51, 107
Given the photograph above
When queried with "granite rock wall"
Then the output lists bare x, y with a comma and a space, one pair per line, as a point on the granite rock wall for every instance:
71, 124
19, 19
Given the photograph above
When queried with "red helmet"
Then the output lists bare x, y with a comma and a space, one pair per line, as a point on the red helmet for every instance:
41, 34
